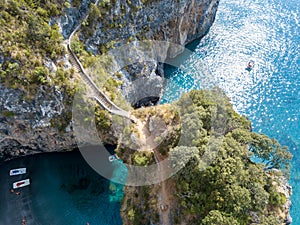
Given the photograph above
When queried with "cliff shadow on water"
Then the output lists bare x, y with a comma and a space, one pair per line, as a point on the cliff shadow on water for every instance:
64, 189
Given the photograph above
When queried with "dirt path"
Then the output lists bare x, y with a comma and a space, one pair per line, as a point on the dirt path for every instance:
163, 202
146, 140
148, 143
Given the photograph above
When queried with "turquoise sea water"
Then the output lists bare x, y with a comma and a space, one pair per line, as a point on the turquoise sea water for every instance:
64, 190
269, 33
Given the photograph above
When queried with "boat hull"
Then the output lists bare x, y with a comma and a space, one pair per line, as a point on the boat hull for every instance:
18, 171
21, 183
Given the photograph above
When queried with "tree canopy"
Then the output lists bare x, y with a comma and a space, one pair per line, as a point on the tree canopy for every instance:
230, 186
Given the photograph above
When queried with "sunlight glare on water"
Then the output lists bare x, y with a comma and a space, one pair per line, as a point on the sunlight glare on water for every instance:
266, 31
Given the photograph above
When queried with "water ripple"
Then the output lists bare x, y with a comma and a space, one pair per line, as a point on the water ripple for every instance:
268, 32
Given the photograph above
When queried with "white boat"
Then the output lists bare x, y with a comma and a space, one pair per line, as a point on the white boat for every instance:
113, 157
18, 171
250, 65
21, 183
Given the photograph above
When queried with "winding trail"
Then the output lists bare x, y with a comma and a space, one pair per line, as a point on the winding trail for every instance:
98, 95
163, 202
163, 196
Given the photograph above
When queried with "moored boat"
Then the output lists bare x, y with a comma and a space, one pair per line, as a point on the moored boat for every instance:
18, 171
113, 157
21, 183
250, 65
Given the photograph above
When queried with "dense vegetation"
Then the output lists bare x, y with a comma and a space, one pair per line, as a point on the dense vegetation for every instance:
32, 54
30, 43
232, 185
222, 186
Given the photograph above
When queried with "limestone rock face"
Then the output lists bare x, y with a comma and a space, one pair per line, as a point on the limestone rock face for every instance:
139, 91
122, 22
285, 188
27, 125
178, 22
73, 16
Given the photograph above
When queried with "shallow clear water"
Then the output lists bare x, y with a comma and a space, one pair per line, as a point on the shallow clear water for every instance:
268, 32
63, 190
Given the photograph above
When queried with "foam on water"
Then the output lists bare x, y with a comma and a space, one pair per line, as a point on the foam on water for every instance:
268, 32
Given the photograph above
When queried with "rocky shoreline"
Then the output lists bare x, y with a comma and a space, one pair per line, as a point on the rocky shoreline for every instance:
285, 188
27, 125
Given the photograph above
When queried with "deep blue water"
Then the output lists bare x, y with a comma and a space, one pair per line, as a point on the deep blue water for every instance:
268, 32
64, 190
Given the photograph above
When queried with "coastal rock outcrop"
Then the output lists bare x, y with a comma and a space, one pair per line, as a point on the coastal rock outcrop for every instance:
27, 125
286, 189
116, 23
178, 22
32, 124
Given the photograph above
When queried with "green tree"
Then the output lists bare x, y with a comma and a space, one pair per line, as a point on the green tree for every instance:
216, 217
231, 185
270, 151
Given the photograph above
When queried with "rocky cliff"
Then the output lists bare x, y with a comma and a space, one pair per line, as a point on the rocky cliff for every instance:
115, 23
177, 21
27, 125
36, 124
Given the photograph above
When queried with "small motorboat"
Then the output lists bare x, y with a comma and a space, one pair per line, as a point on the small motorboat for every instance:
21, 183
250, 65
113, 158
18, 171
